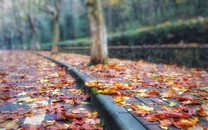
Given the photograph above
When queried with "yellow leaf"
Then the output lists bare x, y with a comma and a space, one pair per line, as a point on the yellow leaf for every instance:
204, 89
120, 100
75, 91
164, 127
140, 91
167, 94
50, 122
186, 123
84, 102
56, 91
42, 81
172, 104
141, 95
66, 126
179, 89
26, 99
145, 107
10, 124
164, 99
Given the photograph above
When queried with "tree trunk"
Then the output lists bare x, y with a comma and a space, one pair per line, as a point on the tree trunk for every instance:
99, 50
55, 34
37, 43
35, 40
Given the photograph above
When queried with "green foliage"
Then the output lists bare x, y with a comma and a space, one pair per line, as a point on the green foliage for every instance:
95, 91
192, 30
73, 43
122, 16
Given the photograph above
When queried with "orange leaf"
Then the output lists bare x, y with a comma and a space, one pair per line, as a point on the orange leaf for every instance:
152, 117
186, 123
166, 122
167, 94
152, 93
201, 112
173, 113
142, 109
120, 100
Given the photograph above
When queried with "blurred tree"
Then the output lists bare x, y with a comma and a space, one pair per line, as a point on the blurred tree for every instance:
53, 8
32, 11
22, 23
99, 49
18, 23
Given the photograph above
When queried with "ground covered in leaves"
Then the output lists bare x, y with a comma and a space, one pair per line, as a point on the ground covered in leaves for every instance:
37, 94
160, 96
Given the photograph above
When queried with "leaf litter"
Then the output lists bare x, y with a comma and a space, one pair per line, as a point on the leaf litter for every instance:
47, 95
180, 92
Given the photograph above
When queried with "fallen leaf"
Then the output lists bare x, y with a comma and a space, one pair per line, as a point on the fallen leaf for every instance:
120, 100
26, 99
142, 109
166, 122
10, 124
186, 123
172, 104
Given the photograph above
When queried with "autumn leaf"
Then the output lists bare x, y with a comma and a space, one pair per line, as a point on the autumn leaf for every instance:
172, 113
142, 109
120, 100
56, 108
105, 91
75, 114
184, 97
10, 124
152, 93
154, 84
197, 127
140, 92
110, 91
179, 89
93, 83
187, 100
50, 122
75, 101
205, 89
167, 94
186, 123
43, 81
172, 104
119, 86
146, 93
28, 127
191, 102
75, 91
166, 122
186, 85
202, 112
26, 99
152, 117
